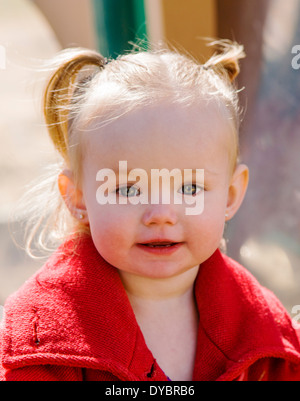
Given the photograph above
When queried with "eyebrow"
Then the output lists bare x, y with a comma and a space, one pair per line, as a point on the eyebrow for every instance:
116, 170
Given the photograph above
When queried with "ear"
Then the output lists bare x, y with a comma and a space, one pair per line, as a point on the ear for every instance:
72, 196
237, 190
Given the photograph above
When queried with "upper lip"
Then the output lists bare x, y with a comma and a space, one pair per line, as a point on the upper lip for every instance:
159, 241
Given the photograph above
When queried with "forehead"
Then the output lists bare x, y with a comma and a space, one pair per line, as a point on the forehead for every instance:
163, 135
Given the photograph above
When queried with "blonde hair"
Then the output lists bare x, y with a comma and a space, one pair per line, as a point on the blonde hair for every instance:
85, 88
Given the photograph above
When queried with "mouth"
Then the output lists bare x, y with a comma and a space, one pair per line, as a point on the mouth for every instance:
160, 244
160, 247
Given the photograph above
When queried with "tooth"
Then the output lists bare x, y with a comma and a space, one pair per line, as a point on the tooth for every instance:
160, 246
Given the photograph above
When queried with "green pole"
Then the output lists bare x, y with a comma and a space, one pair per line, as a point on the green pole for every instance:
119, 22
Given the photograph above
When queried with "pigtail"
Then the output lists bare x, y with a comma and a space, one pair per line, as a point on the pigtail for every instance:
46, 221
60, 90
225, 61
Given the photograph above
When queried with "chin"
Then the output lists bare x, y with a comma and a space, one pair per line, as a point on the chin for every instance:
160, 270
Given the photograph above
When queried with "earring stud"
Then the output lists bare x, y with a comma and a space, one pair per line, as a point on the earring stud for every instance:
81, 216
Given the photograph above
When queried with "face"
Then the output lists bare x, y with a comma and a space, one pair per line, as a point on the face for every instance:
159, 240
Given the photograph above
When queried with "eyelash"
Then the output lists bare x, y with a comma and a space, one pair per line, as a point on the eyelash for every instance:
125, 187
194, 185
128, 187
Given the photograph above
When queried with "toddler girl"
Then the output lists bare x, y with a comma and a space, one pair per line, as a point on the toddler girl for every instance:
139, 289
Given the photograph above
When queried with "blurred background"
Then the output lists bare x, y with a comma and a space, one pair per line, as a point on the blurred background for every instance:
265, 234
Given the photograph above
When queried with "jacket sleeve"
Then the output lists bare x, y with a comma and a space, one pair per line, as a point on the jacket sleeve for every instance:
272, 370
42, 373
298, 333
39, 372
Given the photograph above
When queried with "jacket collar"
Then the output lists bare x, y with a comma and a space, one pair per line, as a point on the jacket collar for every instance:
75, 312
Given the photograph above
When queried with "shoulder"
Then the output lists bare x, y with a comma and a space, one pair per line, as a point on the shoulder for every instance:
60, 316
256, 297
39, 316
262, 298
42, 294
242, 318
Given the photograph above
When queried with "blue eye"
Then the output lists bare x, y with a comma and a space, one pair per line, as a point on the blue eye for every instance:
190, 189
128, 191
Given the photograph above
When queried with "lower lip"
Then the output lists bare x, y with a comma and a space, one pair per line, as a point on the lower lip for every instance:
160, 251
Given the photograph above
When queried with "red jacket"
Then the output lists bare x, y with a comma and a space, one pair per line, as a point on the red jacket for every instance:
73, 321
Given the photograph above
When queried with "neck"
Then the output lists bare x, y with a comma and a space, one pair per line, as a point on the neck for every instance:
170, 291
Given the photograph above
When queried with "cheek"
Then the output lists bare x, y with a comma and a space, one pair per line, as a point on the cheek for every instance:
206, 239
104, 222
208, 228
112, 231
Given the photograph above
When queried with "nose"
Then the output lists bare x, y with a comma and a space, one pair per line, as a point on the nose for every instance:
159, 215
